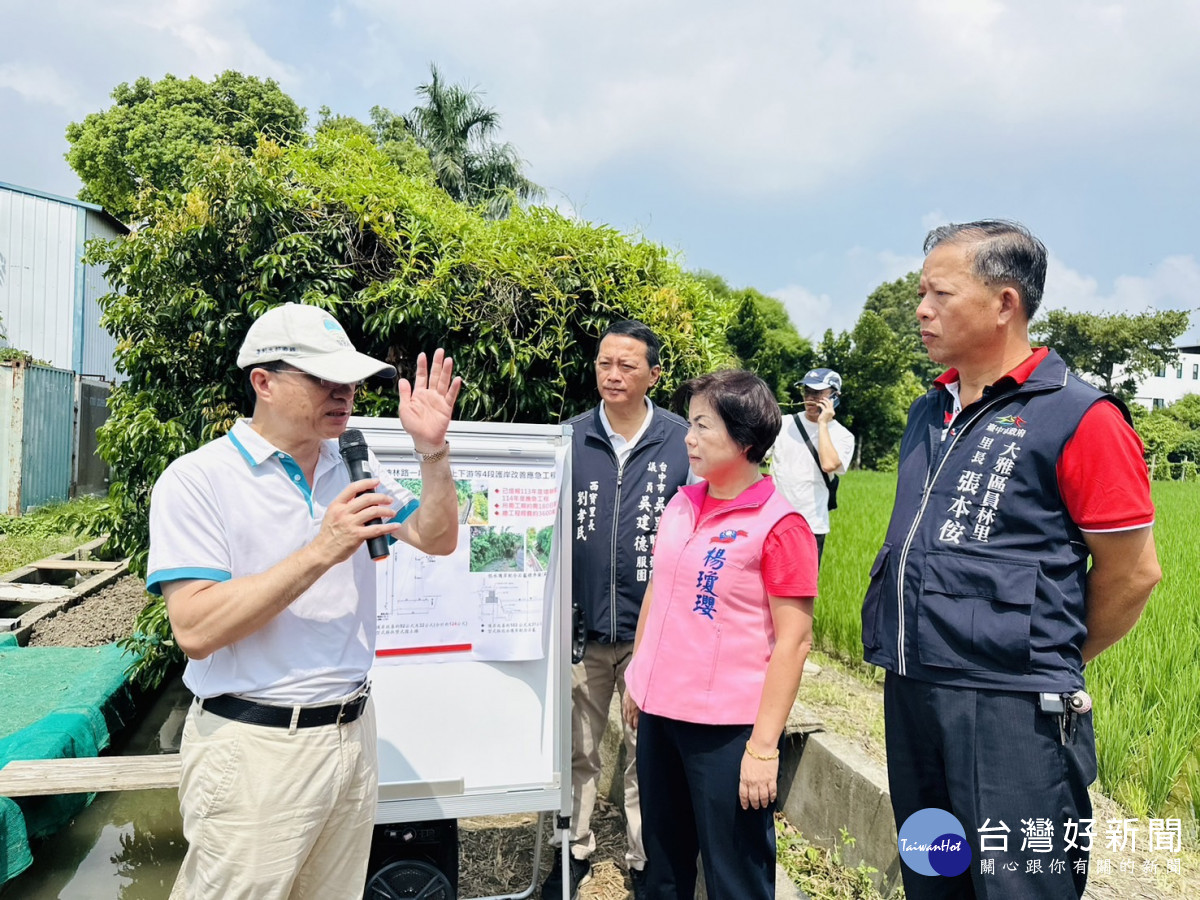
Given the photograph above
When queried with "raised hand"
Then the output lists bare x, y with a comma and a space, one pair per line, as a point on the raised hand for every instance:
427, 405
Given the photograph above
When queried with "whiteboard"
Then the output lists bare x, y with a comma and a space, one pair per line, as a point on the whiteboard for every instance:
467, 737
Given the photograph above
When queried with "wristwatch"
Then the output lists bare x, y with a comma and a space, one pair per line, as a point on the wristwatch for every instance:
434, 456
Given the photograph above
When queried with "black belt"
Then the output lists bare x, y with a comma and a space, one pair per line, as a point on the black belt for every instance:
251, 712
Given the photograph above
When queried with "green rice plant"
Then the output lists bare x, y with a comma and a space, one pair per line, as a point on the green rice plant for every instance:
858, 527
1146, 689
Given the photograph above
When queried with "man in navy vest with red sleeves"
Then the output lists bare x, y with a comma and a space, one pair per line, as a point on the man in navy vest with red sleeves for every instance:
982, 607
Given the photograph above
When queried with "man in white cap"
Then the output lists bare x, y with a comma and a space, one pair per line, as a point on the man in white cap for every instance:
256, 542
812, 451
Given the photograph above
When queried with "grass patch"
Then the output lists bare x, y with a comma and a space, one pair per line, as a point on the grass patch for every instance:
849, 701
823, 874
44, 532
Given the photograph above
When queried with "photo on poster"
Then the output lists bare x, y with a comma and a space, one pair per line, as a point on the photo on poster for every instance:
487, 600
537, 548
497, 549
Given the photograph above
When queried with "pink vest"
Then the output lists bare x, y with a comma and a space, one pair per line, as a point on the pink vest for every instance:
708, 635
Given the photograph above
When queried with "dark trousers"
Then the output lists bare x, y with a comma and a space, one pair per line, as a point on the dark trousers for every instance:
994, 760
820, 546
688, 776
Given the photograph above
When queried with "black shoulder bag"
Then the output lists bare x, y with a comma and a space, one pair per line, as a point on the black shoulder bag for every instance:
831, 482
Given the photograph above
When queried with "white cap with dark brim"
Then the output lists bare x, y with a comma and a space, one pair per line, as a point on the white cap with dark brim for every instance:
310, 339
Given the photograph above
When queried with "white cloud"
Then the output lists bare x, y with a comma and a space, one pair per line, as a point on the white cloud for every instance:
561, 203
38, 84
1174, 283
205, 37
890, 266
812, 313
778, 95
72, 55
933, 219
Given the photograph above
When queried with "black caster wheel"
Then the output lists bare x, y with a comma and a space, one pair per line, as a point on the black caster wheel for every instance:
409, 879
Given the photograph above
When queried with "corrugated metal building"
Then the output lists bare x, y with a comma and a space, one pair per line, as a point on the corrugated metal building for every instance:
48, 297
49, 307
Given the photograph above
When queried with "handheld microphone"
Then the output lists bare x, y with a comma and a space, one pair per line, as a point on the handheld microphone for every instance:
353, 447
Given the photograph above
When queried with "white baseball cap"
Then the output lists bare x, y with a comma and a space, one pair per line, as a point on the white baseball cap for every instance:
310, 339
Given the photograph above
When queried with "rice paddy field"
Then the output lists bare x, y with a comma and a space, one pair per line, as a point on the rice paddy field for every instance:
1146, 689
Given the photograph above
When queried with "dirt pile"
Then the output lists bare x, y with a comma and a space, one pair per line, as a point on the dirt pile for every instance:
100, 618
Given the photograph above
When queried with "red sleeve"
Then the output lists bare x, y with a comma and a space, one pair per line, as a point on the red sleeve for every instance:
1102, 473
789, 564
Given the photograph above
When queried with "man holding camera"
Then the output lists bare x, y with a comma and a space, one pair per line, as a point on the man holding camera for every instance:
812, 450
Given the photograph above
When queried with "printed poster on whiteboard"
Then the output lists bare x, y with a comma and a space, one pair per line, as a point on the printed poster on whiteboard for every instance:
487, 601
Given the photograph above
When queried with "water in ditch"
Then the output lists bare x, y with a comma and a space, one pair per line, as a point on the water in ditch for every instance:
126, 845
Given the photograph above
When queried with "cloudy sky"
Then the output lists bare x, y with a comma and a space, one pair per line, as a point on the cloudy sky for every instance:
800, 147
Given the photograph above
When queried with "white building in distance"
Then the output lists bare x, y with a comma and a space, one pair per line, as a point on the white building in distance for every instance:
1171, 383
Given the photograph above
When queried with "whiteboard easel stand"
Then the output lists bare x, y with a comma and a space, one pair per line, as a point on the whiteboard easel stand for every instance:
495, 445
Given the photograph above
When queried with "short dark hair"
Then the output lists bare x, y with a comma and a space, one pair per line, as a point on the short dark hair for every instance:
251, 393
638, 330
745, 404
274, 365
1006, 253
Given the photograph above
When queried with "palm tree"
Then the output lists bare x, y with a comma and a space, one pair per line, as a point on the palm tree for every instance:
456, 129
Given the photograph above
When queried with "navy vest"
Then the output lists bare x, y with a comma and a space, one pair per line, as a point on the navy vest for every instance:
980, 582
615, 513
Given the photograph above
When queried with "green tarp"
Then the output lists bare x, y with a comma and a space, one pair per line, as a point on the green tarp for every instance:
58, 702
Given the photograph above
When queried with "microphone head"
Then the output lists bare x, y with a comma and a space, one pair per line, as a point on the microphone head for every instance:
352, 444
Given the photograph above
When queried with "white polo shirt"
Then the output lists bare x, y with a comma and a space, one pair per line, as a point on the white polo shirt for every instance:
620, 446
236, 507
797, 474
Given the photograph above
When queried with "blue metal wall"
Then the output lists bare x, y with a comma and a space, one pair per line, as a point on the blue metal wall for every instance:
37, 435
48, 436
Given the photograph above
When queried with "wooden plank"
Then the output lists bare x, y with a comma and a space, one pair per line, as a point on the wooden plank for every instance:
38, 777
77, 565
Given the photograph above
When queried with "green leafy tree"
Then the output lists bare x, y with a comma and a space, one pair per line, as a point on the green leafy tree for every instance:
1171, 436
398, 144
764, 338
1163, 438
518, 302
878, 387
390, 135
1186, 410
1119, 350
544, 538
896, 303
155, 129
458, 131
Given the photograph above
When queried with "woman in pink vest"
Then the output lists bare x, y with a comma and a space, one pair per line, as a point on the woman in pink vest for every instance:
724, 631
